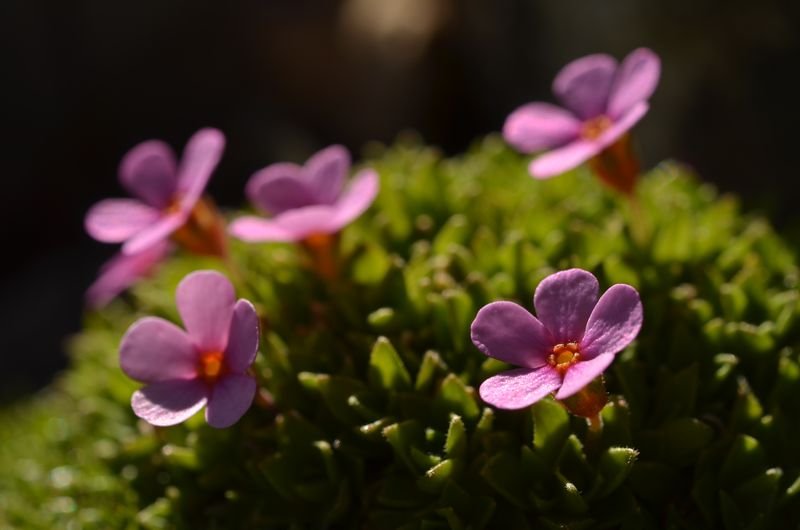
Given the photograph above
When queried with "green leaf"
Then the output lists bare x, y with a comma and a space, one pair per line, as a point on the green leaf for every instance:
382, 319
403, 437
386, 369
183, 457
476, 509
432, 364
336, 392
676, 393
733, 300
436, 477
757, 496
743, 461
280, 473
571, 501
456, 444
502, 473
455, 397
616, 423
682, 439
612, 470
550, 429
573, 464
454, 231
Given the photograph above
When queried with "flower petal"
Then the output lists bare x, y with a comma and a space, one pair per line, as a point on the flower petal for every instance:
154, 349
356, 199
243, 337
149, 172
538, 126
635, 81
155, 233
614, 323
230, 399
205, 301
519, 388
311, 220
582, 373
200, 156
169, 402
563, 159
576, 153
507, 331
564, 301
115, 220
623, 124
325, 173
257, 229
584, 84
278, 188
122, 271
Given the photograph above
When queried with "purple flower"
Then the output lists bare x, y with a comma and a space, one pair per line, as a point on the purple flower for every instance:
206, 365
573, 340
306, 201
165, 192
122, 271
603, 101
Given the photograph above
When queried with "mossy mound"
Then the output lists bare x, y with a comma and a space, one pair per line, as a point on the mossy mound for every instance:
376, 422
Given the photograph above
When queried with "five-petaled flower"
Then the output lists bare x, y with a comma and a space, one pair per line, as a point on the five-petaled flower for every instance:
122, 271
206, 365
573, 340
603, 101
306, 202
166, 192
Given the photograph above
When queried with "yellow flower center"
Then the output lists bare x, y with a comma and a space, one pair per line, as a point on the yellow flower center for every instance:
211, 366
564, 356
593, 128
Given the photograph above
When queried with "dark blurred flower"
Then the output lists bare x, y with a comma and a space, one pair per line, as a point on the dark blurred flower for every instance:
166, 193
306, 201
602, 102
122, 271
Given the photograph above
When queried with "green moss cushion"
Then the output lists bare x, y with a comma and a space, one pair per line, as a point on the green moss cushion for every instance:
372, 420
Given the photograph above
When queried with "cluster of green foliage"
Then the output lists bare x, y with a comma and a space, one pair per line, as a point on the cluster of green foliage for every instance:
372, 419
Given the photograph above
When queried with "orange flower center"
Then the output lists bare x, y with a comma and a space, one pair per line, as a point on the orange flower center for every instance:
593, 128
564, 356
211, 366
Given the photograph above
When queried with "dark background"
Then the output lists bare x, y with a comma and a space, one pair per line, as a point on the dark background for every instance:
85, 80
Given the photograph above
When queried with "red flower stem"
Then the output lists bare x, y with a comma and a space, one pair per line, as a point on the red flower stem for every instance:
204, 231
594, 433
617, 167
323, 251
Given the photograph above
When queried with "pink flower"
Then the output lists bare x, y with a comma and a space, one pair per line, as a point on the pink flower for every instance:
122, 271
603, 101
206, 365
573, 340
306, 201
166, 193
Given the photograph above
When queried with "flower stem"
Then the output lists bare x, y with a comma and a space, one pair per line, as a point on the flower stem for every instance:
594, 433
617, 166
204, 231
323, 251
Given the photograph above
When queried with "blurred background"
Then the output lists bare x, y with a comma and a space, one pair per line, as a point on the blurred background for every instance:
85, 80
